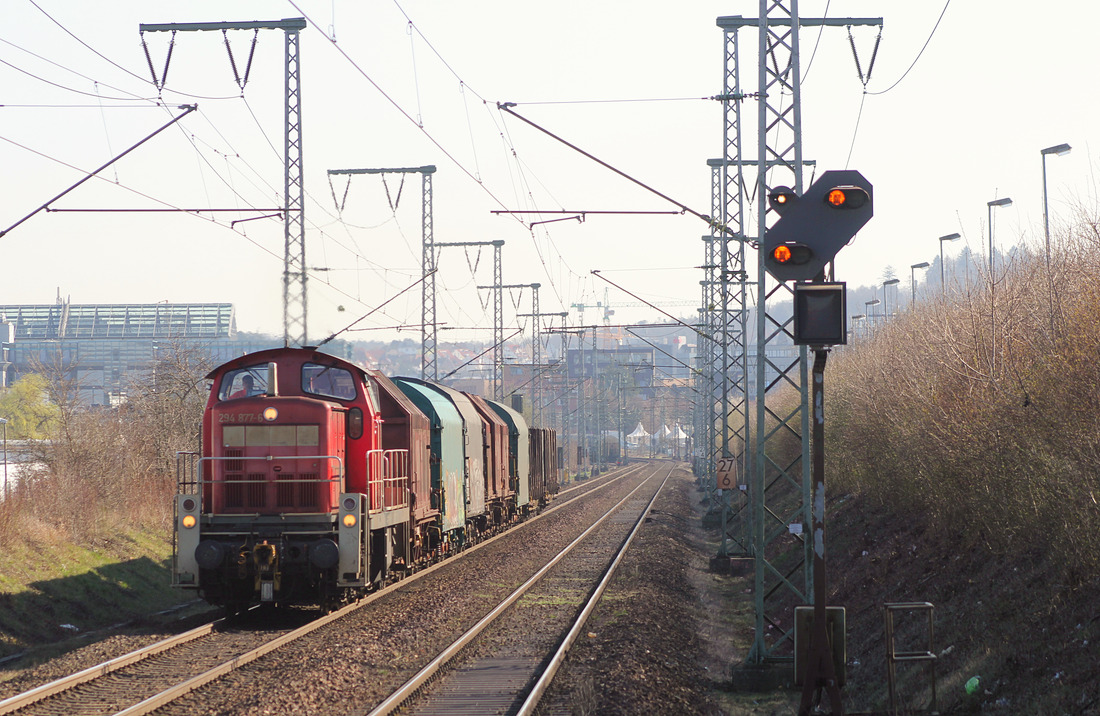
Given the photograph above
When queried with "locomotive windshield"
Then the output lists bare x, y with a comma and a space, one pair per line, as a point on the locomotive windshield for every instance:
244, 382
328, 381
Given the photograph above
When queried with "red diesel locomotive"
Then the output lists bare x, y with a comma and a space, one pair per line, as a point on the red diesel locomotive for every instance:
319, 480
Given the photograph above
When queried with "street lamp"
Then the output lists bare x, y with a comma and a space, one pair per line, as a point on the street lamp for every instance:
992, 284
856, 317
913, 276
949, 237
886, 297
990, 204
7, 490
870, 312
1059, 150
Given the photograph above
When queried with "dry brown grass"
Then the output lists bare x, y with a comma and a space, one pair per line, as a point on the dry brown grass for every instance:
982, 410
107, 470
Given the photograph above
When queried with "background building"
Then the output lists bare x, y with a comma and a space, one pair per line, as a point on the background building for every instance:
105, 347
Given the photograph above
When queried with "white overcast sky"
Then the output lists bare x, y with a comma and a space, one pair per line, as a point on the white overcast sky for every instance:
998, 81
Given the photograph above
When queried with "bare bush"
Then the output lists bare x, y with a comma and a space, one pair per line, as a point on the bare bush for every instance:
106, 469
982, 410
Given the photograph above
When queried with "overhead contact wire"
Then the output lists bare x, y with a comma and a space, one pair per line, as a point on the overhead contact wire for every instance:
475, 176
399, 108
506, 107
919, 54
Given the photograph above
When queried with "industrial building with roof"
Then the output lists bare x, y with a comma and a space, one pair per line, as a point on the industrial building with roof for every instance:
104, 347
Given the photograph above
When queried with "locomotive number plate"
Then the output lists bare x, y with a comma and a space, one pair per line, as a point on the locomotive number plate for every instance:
240, 418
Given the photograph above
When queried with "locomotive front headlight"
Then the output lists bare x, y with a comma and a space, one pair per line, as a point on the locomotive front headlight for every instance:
349, 520
188, 521
270, 414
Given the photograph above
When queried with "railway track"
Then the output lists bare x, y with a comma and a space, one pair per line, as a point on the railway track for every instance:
150, 678
511, 678
145, 679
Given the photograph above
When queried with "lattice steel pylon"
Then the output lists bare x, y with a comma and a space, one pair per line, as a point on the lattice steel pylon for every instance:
731, 332
429, 370
724, 370
295, 275
536, 352
706, 433
707, 373
780, 486
498, 322
294, 222
779, 465
536, 356
498, 319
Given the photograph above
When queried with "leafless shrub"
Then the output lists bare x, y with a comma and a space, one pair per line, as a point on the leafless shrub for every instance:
982, 409
163, 415
106, 469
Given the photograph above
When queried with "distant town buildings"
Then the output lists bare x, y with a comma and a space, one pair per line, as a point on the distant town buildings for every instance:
104, 347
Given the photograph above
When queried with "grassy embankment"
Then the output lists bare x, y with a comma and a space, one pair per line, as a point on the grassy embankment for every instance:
963, 444
54, 595
85, 540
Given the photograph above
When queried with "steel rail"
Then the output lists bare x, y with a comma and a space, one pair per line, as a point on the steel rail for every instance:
410, 687
19, 701
14, 703
537, 691
27, 698
168, 695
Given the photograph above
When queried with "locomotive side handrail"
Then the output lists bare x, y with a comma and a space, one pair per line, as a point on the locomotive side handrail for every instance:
388, 479
270, 458
186, 468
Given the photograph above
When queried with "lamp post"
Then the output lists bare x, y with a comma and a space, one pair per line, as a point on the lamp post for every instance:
886, 297
1059, 150
7, 490
989, 208
870, 312
949, 237
992, 285
913, 276
855, 318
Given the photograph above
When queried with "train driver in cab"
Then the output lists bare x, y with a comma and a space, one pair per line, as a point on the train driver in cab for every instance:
247, 388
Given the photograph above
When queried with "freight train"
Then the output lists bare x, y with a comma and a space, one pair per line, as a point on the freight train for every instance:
319, 481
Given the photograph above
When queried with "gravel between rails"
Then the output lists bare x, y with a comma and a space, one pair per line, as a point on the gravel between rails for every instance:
648, 648
350, 665
654, 645
131, 639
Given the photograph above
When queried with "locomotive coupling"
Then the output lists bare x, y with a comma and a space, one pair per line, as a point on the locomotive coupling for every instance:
266, 560
264, 557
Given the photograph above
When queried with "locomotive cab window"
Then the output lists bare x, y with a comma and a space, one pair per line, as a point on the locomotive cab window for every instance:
244, 383
328, 381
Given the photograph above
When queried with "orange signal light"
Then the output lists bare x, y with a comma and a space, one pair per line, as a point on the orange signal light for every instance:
782, 254
847, 197
837, 197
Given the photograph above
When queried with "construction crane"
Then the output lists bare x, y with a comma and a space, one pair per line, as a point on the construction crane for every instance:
608, 312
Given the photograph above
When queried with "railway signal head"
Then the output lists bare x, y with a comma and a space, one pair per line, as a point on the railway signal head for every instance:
791, 254
782, 198
812, 228
847, 197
